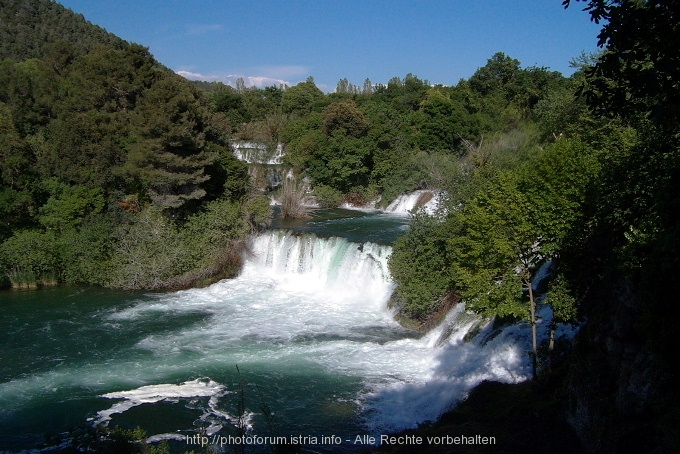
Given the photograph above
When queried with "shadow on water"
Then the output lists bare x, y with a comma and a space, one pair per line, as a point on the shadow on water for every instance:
377, 334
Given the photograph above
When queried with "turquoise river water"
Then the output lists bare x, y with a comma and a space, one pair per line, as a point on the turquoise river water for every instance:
306, 323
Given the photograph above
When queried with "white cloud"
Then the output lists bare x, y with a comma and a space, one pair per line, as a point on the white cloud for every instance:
197, 76
230, 79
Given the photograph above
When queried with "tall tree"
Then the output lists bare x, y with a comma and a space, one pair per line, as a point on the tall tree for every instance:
520, 220
168, 155
639, 72
300, 99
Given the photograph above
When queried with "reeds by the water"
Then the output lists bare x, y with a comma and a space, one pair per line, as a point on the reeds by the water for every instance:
22, 279
294, 199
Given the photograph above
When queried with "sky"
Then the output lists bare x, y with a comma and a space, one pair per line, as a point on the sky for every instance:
271, 42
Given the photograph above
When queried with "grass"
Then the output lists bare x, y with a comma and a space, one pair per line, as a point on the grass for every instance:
22, 279
294, 199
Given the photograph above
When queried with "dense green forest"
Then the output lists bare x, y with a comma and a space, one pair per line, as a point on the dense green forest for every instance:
118, 172
115, 170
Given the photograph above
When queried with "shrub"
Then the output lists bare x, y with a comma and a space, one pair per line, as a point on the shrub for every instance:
327, 197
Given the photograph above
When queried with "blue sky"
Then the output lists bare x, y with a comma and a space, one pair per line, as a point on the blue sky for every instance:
276, 41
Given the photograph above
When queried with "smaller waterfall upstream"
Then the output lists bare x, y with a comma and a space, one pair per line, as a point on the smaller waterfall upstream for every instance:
258, 153
406, 203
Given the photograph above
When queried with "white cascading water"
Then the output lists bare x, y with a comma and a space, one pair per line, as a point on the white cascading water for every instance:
305, 309
257, 153
406, 203
302, 287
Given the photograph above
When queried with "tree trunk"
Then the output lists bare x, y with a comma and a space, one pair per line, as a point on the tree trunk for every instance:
551, 345
532, 305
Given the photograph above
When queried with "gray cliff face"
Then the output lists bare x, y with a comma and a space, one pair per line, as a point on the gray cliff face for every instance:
620, 398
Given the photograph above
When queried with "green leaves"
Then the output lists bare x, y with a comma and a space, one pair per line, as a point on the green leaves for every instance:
301, 98
500, 226
69, 205
495, 247
420, 265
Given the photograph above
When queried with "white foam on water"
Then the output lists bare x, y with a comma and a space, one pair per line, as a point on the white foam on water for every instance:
448, 371
300, 302
150, 394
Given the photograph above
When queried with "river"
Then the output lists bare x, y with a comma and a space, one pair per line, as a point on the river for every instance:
306, 324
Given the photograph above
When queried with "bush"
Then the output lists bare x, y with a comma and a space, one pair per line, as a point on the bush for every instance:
327, 197
420, 264
147, 252
29, 257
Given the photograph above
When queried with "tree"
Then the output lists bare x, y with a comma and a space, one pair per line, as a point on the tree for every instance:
368, 87
16, 176
343, 86
240, 86
342, 163
69, 205
420, 262
168, 154
518, 221
639, 72
442, 125
564, 310
497, 248
344, 118
498, 72
147, 253
301, 98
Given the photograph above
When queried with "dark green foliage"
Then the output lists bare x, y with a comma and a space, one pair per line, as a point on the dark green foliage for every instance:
498, 72
15, 175
342, 163
30, 256
444, 122
638, 74
624, 263
500, 224
302, 98
420, 263
327, 197
67, 206
27, 26
103, 153
166, 153
344, 119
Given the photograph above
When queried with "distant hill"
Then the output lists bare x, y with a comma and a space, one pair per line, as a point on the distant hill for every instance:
27, 27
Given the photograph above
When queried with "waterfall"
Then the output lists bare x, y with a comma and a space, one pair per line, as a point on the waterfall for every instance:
258, 153
329, 265
406, 203
307, 323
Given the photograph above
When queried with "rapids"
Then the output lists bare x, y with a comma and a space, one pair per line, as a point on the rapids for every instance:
306, 322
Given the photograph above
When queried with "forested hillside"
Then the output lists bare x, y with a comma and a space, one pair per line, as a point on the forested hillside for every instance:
28, 27
114, 169
108, 157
